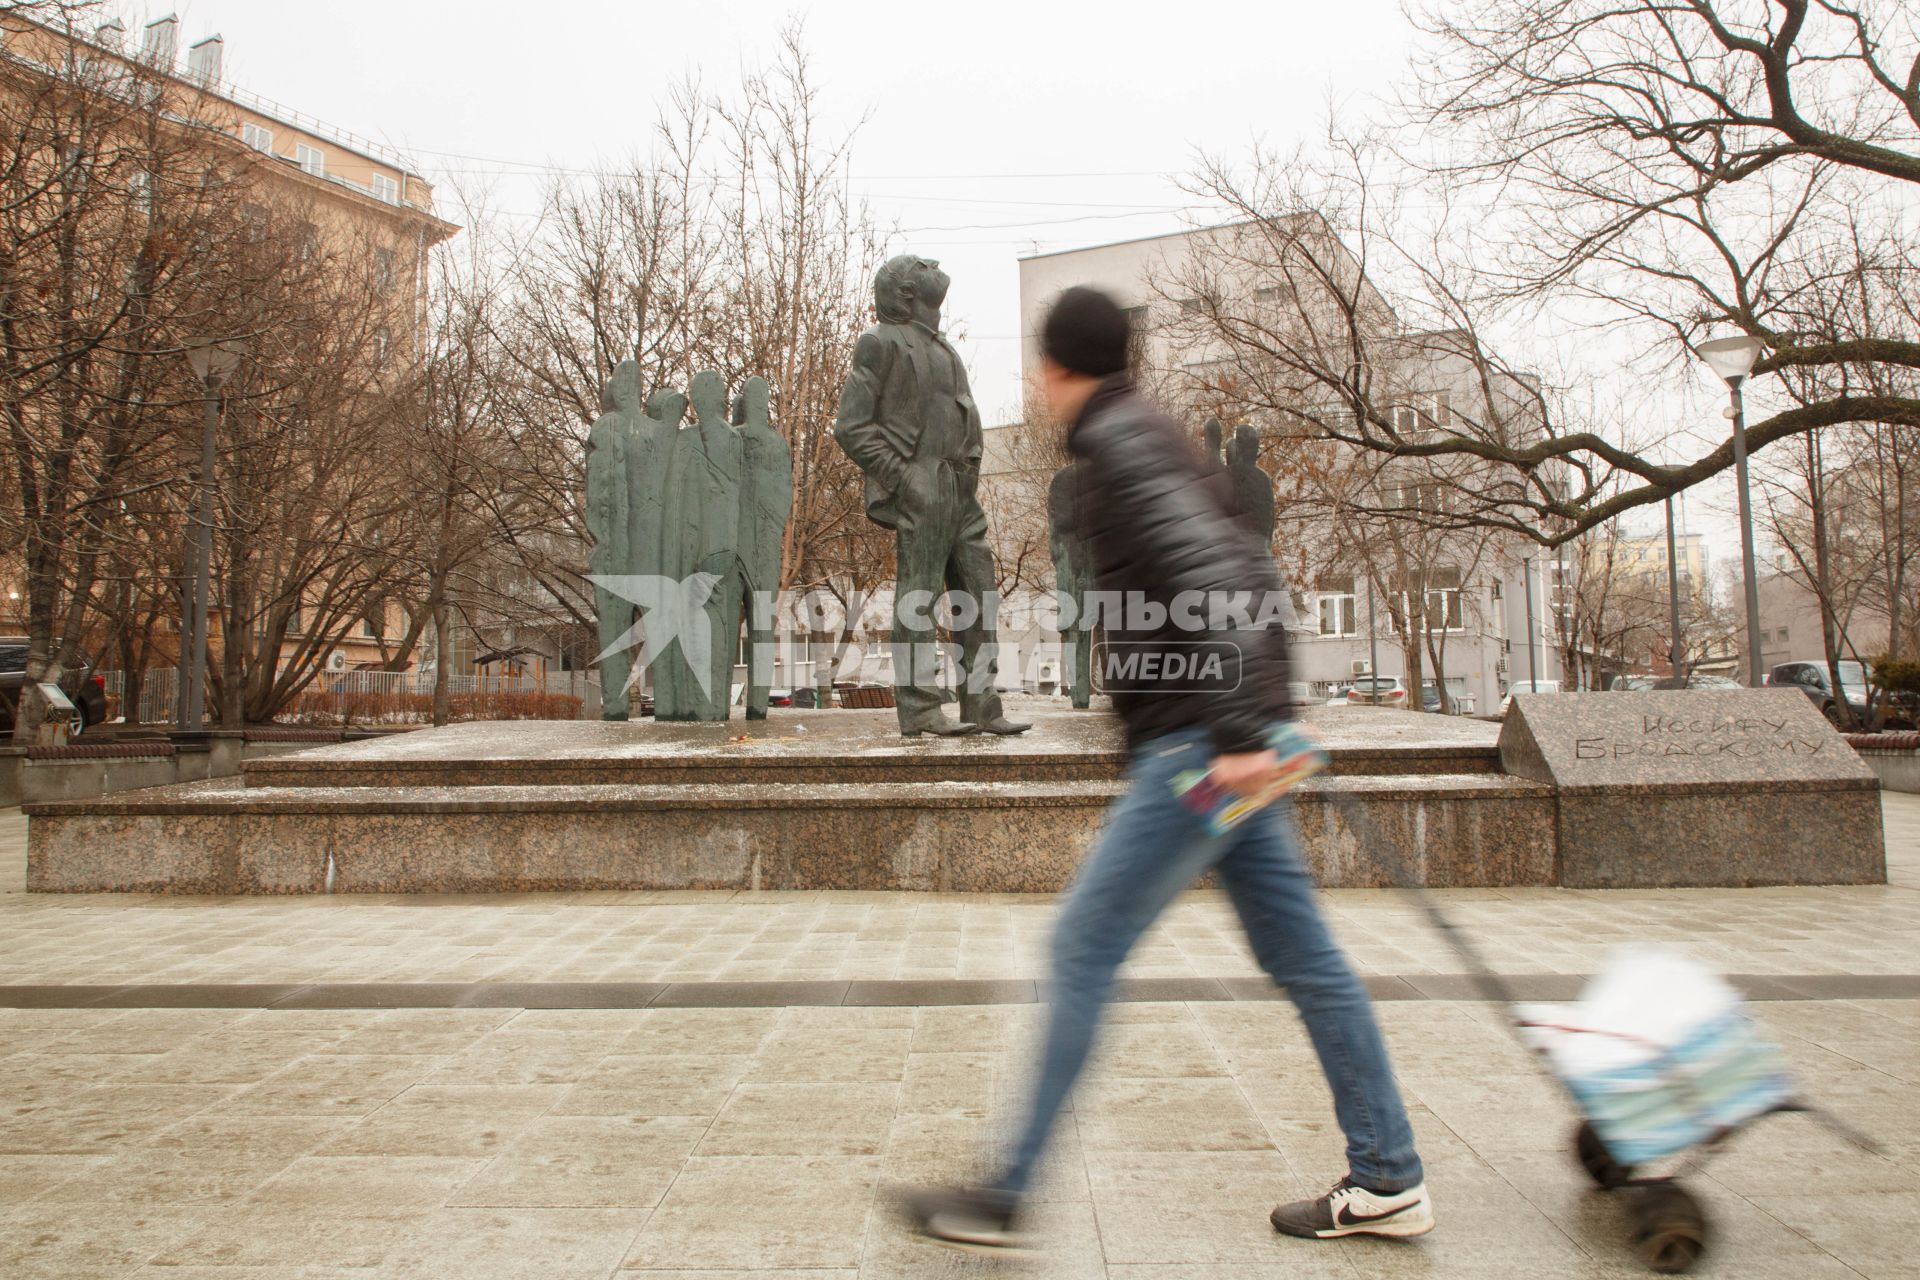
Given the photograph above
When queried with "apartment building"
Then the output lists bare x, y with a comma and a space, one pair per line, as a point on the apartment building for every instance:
354, 191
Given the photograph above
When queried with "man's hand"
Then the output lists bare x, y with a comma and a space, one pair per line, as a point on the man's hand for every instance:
1245, 773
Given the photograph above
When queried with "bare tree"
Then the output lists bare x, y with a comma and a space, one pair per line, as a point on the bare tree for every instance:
1684, 165
732, 245
114, 207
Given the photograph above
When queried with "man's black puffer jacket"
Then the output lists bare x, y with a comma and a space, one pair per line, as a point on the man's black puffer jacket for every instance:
1159, 527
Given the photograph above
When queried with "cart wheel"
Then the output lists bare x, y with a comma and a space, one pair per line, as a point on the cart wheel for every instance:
1606, 1172
1669, 1228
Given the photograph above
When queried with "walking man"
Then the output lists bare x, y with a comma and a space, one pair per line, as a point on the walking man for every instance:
1151, 515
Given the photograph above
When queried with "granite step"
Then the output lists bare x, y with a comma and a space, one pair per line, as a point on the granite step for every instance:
804, 747
967, 836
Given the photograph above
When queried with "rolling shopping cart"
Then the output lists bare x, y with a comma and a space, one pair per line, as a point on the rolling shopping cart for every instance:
1661, 1060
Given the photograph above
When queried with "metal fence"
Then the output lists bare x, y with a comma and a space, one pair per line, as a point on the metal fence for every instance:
334, 694
159, 690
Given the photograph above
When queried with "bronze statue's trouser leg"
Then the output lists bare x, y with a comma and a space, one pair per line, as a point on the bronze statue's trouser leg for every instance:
970, 572
923, 542
1081, 639
759, 664
723, 614
616, 616
676, 689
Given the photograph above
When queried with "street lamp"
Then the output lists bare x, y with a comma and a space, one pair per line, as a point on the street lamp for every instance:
1674, 647
1733, 359
213, 363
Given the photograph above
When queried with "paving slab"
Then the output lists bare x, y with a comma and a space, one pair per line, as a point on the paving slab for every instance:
716, 1087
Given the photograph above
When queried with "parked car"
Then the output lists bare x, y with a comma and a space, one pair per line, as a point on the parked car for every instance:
1378, 691
1812, 679
87, 691
1698, 680
1527, 686
1338, 698
1429, 696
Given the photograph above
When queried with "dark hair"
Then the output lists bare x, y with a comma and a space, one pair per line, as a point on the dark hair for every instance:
1087, 332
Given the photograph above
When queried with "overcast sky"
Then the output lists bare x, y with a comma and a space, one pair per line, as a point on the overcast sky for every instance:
991, 129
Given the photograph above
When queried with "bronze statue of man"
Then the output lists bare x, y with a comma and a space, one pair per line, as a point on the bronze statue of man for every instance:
702, 530
1252, 487
908, 420
766, 500
615, 448
1073, 580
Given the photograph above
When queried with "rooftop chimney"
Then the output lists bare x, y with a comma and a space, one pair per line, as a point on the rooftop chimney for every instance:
162, 43
111, 34
203, 60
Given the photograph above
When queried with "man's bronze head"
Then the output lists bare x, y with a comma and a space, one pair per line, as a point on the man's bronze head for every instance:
905, 280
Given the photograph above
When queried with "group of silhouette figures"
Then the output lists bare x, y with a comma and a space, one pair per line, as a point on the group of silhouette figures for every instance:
688, 524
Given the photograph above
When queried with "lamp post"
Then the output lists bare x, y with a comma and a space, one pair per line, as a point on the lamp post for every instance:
213, 363
1733, 359
1533, 666
1373, 641
1674, 648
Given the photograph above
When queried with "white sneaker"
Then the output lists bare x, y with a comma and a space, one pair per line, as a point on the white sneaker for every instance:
1352, 1210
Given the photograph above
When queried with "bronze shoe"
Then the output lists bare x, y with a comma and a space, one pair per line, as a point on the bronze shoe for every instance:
937, 724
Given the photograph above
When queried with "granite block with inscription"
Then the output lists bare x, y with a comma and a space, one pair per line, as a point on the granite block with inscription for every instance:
1698, 787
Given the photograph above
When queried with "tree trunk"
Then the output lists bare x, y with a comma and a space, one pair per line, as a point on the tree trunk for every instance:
443, 661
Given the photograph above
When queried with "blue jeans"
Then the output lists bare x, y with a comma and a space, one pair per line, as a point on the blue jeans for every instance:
1152, 847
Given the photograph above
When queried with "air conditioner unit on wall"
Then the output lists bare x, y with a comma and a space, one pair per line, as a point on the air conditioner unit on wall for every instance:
336, 661
1361, 667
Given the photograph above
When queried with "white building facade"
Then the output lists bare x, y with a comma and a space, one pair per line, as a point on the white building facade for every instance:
1479, 604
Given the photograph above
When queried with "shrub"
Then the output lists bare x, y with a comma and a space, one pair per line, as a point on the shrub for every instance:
319, 707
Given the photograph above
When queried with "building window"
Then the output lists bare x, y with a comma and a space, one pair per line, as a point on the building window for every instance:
1424, 415
383, 270
1334, 604
385, 188
382, 346
312, 159
1428, 497
258, 137
1445, 610
1191, 306
1445, 607
309, 245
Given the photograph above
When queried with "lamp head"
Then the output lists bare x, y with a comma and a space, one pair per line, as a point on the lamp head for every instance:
1732, 358
214, 362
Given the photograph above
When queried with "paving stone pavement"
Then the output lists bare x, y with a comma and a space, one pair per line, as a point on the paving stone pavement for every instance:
712, 1142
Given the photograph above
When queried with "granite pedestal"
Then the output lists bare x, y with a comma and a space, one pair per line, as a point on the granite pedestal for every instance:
1698, 788
804, 800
